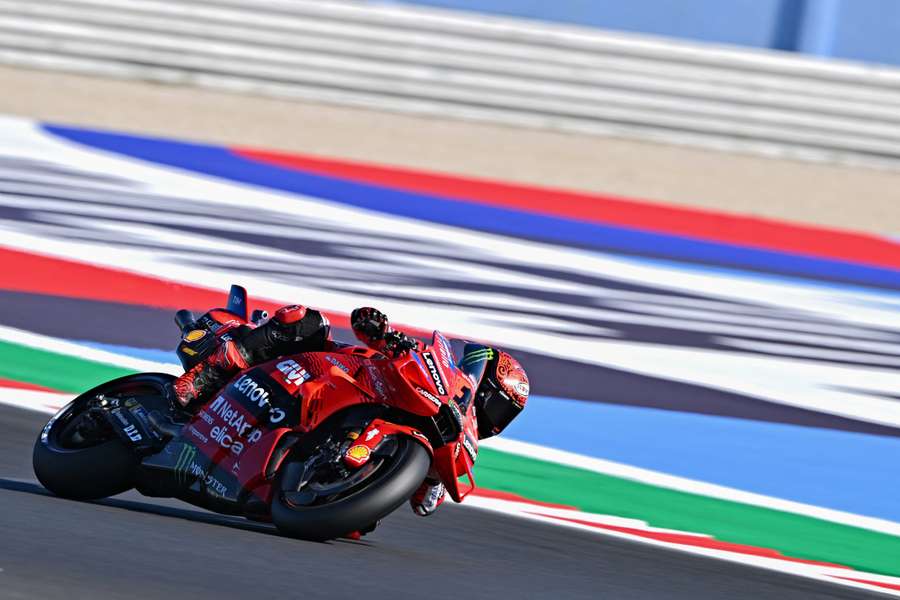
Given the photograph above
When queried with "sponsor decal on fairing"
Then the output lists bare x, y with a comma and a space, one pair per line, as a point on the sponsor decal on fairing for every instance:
457, 414
213, 484
252, 390
184, 463
194, 335
294, 374
429, 396
471, 450
377, 382
445, 353
256, 393
236, 427
357, 455
435, 373
120, 417
132, 433
198, 434
338, 364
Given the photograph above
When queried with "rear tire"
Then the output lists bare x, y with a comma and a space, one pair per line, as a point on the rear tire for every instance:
86, 474
360, 509
95, 471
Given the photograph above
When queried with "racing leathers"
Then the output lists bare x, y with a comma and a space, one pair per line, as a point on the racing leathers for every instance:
294, 329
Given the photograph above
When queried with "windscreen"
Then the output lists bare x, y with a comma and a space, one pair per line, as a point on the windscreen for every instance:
474, 359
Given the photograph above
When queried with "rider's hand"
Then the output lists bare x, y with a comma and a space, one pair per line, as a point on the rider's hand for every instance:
370, 322
397, 343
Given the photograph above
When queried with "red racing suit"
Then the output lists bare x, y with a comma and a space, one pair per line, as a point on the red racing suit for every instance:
294, 329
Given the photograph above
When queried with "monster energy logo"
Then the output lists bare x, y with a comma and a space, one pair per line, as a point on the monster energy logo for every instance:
183, 464
477, 355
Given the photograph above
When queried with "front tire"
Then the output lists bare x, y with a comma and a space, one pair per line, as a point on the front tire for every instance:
360, 509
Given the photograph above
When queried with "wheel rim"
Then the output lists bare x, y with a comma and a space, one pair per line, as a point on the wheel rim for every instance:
325, 479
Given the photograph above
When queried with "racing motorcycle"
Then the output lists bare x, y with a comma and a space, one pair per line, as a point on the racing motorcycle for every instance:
321, 444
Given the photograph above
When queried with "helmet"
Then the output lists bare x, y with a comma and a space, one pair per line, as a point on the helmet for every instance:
503, 389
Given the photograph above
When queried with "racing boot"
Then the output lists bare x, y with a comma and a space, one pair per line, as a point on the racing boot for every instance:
208, 376
428, 497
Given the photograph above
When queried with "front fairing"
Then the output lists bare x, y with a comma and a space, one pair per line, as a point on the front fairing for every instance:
456, 458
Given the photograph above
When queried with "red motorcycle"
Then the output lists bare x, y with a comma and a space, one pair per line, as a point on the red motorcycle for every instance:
320, 443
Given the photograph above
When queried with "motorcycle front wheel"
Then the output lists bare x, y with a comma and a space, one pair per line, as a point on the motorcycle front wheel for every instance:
333, 502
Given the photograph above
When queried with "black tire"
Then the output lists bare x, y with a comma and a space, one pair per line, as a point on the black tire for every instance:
360, 509
92, 472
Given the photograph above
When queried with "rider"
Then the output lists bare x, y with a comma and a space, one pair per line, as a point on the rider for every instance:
501, 395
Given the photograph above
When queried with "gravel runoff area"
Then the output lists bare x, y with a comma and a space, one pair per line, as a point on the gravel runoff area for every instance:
856, 198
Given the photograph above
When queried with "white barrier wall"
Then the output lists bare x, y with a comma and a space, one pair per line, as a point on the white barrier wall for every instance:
446, 64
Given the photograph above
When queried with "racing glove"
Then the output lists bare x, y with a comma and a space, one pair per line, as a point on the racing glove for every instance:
369, 324
397, 343
428, 497
371, 327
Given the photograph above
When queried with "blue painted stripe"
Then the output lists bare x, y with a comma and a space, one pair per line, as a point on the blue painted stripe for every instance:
846, 471
220, 162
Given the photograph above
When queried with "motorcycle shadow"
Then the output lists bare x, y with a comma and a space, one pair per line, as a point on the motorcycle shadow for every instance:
188, 514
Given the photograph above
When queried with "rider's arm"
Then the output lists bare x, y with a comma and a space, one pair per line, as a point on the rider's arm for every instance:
291, 329
371, 327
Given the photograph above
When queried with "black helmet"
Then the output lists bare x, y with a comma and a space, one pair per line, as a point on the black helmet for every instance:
503, 388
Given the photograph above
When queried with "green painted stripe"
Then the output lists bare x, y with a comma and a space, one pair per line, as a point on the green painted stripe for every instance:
52, 370
793, 535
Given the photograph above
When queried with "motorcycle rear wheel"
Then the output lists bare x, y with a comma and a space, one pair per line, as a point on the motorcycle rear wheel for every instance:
72, 467
394, 484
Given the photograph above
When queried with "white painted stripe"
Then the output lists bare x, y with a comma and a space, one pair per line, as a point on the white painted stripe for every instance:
43, 342
691, 486
45, 402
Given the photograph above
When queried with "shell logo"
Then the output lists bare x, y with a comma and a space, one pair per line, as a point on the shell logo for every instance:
359, 452
193, 336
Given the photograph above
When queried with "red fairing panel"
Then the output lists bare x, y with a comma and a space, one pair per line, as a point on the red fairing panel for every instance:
372, 437
240, 429
331, 381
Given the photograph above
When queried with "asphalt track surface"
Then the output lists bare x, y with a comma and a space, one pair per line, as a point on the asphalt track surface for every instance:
136, 547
